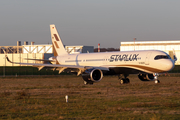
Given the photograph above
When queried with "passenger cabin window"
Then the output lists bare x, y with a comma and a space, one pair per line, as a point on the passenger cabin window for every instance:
161, 57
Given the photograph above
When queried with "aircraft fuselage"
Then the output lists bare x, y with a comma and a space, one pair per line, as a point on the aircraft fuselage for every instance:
133, 61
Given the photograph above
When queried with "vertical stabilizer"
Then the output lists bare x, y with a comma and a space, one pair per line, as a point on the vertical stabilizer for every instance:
58, 46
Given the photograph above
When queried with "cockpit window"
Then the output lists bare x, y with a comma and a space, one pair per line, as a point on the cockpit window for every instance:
161, 57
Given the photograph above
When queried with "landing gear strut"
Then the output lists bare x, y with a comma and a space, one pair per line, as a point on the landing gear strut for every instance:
156, 78
124, 80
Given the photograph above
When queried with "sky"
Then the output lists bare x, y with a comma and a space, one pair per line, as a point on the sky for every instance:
89, 22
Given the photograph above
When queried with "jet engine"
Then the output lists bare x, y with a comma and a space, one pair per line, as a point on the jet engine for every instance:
146, 77
92, 75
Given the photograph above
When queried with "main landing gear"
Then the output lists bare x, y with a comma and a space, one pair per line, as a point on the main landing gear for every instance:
124, 80
88, 82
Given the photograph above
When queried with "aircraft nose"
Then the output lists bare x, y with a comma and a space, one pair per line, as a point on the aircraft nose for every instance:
169, 65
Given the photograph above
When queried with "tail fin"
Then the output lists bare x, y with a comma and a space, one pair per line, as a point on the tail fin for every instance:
58, 46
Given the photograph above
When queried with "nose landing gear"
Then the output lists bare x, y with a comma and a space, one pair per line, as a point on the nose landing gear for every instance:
156, 78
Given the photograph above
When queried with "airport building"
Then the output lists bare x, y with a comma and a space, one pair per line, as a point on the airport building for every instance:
167, 46
21, 53
79, 49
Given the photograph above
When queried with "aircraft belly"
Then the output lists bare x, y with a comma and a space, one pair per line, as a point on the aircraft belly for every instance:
133, 70
123, 70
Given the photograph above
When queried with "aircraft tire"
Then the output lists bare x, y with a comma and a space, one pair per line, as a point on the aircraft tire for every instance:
89, 82
85, 82
124, 81
157, 81
121, 81
127, 80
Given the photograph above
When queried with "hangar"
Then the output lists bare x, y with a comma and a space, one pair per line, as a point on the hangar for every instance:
167, 46
21, 53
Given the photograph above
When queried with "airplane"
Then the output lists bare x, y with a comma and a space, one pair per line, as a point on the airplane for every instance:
147, 64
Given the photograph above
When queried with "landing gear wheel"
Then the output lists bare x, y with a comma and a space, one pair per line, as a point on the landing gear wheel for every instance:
127, 80
123, 81
85, 82
88, 82
157, 81
123, 78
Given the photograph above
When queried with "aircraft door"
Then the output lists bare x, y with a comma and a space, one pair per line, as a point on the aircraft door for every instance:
105, 60
148, 55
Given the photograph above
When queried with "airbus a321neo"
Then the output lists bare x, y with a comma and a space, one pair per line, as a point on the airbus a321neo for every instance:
92, 66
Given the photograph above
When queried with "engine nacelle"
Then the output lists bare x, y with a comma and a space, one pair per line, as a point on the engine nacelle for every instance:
146, 77
94, 75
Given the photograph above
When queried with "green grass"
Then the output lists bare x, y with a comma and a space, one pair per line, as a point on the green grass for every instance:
44, 98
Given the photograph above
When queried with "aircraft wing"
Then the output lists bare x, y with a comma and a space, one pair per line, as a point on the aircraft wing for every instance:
40, 60
59, 67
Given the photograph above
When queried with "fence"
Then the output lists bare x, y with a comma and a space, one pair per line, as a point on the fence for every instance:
24, 70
